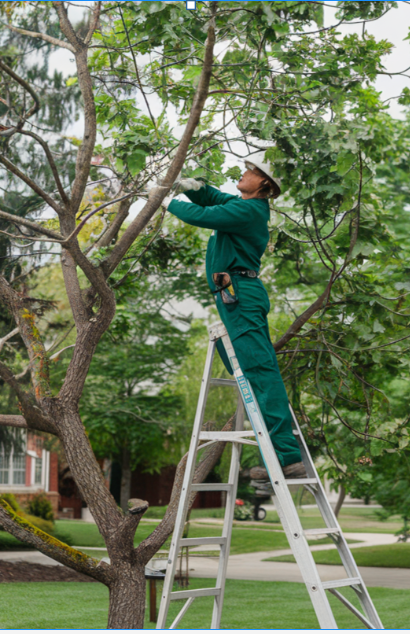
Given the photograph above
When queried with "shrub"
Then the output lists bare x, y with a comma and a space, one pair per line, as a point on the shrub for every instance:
11, 501
40, 506
44, 525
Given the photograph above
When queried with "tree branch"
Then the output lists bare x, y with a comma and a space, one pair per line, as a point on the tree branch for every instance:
29, 534
158, 194
51, 162
32, 414
26, 179
42, 36
304, 317
20, 308
7, 337
13, 421
85, 151
111, 233
35, 107
93, 23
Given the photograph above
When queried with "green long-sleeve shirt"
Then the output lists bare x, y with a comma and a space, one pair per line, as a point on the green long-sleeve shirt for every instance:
241, 228
239, 240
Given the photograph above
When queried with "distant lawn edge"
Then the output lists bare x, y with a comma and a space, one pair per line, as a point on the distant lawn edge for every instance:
391, 556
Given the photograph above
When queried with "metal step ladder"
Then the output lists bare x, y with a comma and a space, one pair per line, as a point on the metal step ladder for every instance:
297, 536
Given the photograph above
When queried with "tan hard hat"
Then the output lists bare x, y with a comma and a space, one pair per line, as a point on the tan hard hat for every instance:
258, 160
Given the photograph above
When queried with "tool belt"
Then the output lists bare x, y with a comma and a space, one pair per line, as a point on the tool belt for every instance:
223, 283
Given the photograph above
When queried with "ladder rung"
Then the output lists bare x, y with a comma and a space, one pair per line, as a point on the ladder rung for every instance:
227, 382
225, 436
341, 583
295, 432
202, 541
219, 486
310, 532
300, 481
201, 592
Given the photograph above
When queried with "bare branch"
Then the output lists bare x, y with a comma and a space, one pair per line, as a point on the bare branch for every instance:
93, 212
157, 195
42, 36
26, 179
7, 337
31, 225
93, 23
13, 421
112, 231
85, 151
67, 28
35, 107
51, 162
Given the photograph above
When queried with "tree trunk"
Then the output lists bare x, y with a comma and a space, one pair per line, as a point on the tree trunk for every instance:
127, 598
125, 479
341, 499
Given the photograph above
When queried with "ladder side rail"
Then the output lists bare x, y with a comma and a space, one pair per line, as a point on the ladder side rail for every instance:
292, 526
186, 489
228, 520
331, 521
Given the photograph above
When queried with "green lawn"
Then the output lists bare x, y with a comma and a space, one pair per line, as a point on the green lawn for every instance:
248, 604
392, 556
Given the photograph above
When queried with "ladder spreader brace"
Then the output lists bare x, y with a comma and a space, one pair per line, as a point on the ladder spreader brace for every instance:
296, 535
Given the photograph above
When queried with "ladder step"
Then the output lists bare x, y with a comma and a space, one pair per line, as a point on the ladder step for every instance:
310, 532
300, 481
341, 583
201, 592
219, 486
227, 382
202, 541
295, 432
225, 436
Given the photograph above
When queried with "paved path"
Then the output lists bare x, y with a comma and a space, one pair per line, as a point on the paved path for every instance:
251, 565
244, 567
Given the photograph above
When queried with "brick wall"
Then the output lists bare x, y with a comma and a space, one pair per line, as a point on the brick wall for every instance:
53, 482
24, 498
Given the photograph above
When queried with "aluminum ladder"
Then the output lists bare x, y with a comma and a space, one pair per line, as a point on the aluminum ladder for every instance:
297, 536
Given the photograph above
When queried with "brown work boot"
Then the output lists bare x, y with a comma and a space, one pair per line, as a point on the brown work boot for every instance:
292, 471
295, 470
259, 473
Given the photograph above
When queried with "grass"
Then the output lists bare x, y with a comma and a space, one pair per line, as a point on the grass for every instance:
391, 556
248, 605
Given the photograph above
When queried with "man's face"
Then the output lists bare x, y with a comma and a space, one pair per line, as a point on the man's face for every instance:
250, 182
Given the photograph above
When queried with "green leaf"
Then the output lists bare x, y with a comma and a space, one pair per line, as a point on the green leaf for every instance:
71, 81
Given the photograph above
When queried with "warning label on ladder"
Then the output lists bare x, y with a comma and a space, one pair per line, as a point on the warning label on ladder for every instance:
243, 384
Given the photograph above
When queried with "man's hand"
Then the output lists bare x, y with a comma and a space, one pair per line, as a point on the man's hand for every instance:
189, 184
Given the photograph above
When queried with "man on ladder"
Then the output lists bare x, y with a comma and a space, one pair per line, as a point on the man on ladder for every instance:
233, 260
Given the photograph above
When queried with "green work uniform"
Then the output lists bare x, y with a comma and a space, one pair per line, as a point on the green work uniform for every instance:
239, 240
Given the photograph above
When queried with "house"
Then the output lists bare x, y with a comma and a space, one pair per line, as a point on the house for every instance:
31, 471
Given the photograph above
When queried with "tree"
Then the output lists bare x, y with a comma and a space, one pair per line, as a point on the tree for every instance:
282, 76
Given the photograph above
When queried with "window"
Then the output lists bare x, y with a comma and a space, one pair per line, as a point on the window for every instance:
4, 467
19, 468
12, 468
38, 471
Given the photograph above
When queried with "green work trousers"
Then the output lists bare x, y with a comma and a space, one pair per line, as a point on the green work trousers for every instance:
257, 359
